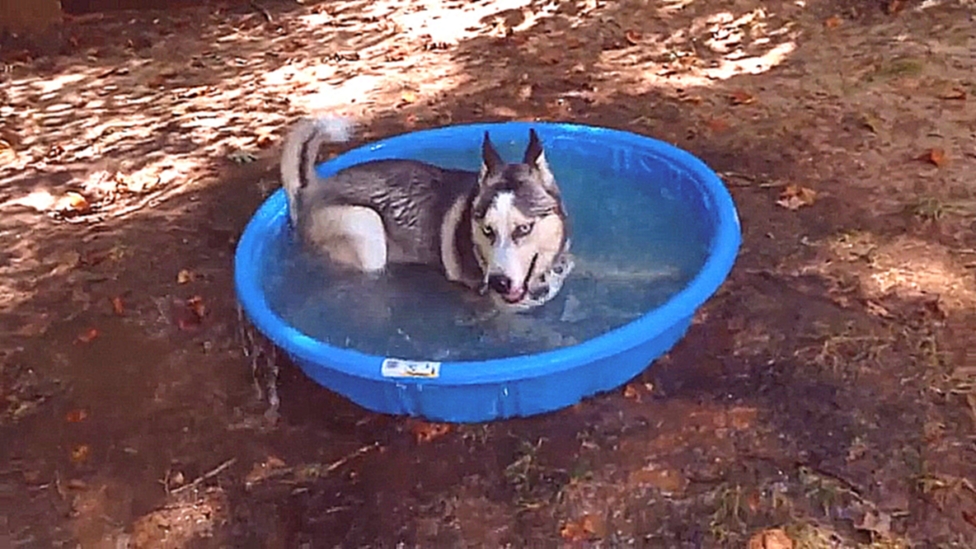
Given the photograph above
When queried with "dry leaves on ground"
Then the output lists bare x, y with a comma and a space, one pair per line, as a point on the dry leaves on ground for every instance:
197, 307
953, 93
833, 22
185, 276
87, 336
583, 529
80, 453
72, 203
427, 432
76, 416
774, 538
935, 156
632, 392
795, 197
117, 306
741, 97
192, 315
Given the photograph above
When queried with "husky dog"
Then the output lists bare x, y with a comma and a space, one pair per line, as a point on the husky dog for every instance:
503, 229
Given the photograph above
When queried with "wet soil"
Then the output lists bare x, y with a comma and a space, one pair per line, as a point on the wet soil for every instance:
825, 396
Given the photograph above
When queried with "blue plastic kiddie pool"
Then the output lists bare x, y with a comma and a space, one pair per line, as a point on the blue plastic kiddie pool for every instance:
477, 391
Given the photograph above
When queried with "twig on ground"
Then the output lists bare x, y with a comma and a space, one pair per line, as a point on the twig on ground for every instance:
206, 476
342, 461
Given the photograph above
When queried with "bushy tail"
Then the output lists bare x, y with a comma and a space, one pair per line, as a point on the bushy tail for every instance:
299, 152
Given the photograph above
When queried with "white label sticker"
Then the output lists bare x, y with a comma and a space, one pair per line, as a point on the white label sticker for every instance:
396, 367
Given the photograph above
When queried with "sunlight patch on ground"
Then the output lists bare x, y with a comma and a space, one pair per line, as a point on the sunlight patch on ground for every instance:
903, 267
451, 23
749, 43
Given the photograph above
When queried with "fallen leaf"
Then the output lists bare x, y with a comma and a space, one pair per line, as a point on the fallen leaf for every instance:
197, 307
633, 37
741, 97
184, 276
264, 140
833, 22
935, 156
953, 94
88, 336
631, 392
579, 530
72, 202
408, 97
869, 121
80, 453
77, 484
117, 306
774, 538
794, 197
76, 416
427, 432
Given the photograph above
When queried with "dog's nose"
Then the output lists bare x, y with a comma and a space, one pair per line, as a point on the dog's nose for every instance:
500, 283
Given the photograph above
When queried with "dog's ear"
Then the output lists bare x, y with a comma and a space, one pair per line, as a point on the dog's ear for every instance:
491, 161
535, 157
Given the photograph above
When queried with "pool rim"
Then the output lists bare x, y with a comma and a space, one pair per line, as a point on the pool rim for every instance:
680, 306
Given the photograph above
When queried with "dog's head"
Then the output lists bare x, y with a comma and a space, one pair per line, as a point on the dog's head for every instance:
519, 227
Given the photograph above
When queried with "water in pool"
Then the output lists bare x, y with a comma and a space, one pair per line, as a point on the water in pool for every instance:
636, 242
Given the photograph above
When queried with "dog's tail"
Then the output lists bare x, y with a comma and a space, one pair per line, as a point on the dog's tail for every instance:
300, 151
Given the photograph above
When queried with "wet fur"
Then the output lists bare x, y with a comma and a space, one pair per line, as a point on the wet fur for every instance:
401, 211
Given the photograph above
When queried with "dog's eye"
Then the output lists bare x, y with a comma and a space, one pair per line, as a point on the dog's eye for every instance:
522, 230
488, 232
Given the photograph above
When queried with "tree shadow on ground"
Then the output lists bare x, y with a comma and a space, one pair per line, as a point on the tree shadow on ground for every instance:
803, 395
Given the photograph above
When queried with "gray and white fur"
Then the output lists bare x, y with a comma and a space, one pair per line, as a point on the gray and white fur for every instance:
502, 229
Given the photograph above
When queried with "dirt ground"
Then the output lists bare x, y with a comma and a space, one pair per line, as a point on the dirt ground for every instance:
825, 397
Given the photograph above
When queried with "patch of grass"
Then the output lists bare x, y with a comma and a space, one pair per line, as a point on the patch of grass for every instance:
841, 352
728, 521
896, 68
941, 487
931, 208
806, 535
825, 491
810, 535
534, 484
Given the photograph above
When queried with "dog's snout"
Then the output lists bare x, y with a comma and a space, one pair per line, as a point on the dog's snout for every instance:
500, 283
